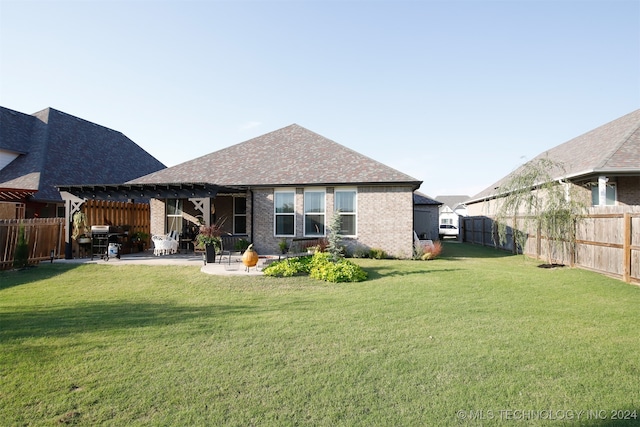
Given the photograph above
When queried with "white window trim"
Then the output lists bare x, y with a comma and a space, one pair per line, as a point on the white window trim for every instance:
354, 213
612, 185
275, 215
323, 213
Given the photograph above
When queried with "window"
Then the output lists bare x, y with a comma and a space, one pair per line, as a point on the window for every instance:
284, 209
314, 213
345, 206
611, 195
174, 215
239, 215
447, 221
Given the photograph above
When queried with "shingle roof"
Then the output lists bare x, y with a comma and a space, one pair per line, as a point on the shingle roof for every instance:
292, 155
59, 149
453, 200
611, 148
422, 199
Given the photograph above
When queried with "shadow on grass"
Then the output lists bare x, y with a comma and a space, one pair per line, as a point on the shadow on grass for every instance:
454, 250
374, 273
42, 271
103, 316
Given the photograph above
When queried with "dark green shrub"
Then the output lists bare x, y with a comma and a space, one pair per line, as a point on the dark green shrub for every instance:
376, 253
360, 252
21, 254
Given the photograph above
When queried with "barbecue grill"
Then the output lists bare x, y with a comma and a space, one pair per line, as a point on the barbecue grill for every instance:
105, 241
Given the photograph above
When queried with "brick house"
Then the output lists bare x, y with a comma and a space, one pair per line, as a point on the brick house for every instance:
286, 184
602, 164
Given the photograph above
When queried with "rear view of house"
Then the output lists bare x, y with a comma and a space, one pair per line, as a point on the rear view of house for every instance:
288, 184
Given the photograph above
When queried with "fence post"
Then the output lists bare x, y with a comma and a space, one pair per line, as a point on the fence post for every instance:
626, 248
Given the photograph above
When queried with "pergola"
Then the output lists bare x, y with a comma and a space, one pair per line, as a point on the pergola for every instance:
199, 193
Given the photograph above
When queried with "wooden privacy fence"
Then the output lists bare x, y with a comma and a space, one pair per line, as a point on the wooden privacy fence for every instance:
103, 212
48, 234
132, 217
608, 243
43, 235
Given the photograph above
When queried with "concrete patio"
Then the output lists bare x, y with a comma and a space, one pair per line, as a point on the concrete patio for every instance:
227, 267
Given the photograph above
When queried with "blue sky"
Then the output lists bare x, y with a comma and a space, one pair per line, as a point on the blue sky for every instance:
454, 93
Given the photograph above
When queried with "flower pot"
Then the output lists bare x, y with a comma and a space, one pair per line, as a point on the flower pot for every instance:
210, 253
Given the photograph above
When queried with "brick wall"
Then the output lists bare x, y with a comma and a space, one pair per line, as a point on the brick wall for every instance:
385, 219
629, 190
157, 216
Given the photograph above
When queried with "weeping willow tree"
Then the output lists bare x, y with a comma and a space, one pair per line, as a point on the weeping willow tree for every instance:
534, 198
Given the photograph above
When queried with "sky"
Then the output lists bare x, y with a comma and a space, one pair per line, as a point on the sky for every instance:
456, 94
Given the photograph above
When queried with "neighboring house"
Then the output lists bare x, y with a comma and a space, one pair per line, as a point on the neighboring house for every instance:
286, 184
452, 208
603, 164
49, 148
425, 216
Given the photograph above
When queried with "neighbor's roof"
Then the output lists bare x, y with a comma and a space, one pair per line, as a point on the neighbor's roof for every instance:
613, 148
452, 201
289, 156
55, 148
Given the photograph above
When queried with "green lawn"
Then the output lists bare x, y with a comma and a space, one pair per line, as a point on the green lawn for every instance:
473, 338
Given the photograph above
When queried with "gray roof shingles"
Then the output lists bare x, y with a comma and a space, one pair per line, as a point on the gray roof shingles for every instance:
292, 155
422, 199
60, 149
611, 148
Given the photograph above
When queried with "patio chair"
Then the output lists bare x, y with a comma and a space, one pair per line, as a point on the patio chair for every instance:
228, 246
165, 244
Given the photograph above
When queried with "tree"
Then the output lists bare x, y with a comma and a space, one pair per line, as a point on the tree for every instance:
334, 238
543, 202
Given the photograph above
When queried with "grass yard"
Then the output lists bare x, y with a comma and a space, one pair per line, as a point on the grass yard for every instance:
473, 338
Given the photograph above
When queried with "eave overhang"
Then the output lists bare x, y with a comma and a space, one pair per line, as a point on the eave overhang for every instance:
15, 194
146, 191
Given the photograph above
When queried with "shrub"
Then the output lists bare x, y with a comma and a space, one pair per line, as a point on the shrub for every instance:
360, 252
431, 251
319, 266
322, 268
21, 254
241, 245
288, 267
376, 253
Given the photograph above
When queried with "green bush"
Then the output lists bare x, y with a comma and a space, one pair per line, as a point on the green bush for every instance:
377, 253
322, 268
21, 254
288, 267
360, 252
319, 266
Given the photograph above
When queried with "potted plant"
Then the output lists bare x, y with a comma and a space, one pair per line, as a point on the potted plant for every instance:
284, 247
139, 238
241, 245
209, 237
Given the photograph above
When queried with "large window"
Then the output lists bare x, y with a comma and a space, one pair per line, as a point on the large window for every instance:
284, 210
174, 215
314, 213
345, 206
239, 215
611, 195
